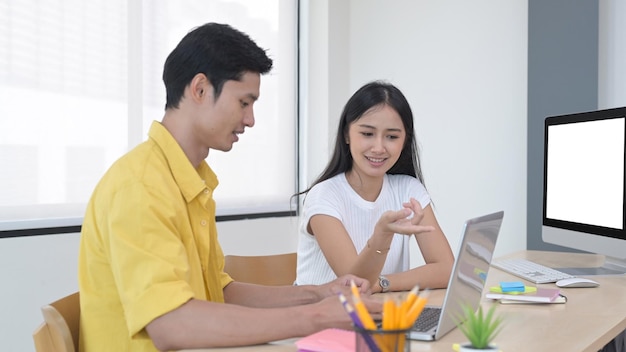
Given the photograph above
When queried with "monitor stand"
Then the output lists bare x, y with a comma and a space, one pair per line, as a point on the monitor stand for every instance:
611, 267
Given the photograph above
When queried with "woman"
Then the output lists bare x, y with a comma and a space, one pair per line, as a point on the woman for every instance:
360, 214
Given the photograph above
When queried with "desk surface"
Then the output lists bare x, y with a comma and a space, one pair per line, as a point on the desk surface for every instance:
591, 317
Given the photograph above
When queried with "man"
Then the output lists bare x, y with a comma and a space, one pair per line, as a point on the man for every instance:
150, 267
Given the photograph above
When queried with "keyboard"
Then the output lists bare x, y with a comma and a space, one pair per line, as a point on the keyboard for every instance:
428, 319
531, 271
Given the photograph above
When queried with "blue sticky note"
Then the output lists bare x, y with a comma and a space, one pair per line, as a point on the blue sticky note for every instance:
510, 286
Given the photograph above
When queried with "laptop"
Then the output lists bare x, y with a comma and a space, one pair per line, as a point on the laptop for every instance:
467, 279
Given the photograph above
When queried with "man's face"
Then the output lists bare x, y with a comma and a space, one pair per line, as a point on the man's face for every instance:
227, 117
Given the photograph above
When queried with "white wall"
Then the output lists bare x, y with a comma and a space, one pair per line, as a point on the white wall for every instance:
33, 271
463, 68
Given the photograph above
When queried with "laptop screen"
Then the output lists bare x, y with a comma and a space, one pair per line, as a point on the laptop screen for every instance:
469, 272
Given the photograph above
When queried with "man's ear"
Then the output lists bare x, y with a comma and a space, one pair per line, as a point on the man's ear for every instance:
200, 87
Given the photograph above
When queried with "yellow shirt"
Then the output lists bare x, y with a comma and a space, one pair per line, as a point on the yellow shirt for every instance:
148, 245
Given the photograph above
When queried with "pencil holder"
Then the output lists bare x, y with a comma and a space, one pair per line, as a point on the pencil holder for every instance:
381, 340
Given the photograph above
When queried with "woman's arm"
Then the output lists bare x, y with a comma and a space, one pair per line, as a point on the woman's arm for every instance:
341, 254
438, 257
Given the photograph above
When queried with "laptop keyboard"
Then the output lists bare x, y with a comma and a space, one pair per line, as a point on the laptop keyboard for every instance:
428, 319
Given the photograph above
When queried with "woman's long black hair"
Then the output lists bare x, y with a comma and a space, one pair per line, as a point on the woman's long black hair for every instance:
368, 96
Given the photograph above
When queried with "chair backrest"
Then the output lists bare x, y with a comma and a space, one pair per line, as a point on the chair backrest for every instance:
59, 332
274, 270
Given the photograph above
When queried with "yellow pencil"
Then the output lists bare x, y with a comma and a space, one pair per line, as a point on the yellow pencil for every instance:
398, 340
364, 315
388, 314
355, 289
411, 297
416, 308
389, 321
402, 309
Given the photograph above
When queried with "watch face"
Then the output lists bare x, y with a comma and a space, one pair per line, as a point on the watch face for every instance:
384, 283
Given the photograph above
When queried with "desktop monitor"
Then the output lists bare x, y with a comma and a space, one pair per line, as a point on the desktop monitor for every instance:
583, 186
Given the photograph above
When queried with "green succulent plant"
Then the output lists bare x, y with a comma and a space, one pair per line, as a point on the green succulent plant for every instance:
479, 328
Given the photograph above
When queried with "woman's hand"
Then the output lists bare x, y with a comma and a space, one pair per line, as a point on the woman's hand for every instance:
399, 222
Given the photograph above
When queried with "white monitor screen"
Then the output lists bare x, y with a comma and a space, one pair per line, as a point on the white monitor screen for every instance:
585, 172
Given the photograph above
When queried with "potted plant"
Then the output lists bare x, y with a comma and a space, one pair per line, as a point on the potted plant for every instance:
479, 328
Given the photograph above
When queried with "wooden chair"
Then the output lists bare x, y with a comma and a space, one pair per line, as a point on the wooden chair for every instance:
274, 270
59, 331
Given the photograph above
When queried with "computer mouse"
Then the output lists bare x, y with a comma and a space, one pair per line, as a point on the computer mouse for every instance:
577, 282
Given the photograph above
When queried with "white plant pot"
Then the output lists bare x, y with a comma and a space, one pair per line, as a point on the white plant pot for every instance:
466, 347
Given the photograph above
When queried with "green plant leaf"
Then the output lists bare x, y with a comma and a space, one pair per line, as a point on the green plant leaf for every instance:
479, 328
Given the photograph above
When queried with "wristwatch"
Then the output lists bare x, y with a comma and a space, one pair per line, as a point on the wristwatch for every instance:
384, 283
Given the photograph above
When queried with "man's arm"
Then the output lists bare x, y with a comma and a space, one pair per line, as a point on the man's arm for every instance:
262, 296
198, 324
202, 324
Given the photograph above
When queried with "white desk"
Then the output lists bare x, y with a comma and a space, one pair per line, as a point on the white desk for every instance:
590, 319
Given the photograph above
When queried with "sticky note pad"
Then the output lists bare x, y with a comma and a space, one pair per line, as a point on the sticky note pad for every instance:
509, 286
526, 289
329, 340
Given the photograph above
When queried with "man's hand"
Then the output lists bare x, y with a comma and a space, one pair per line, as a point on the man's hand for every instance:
342, 284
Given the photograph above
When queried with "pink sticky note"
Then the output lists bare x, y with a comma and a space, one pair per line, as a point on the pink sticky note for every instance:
328, 340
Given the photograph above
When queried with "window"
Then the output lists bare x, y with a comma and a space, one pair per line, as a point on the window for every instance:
81, 83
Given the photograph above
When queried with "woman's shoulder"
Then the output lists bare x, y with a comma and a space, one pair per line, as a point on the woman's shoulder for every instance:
401, 179
334, 183
327, 193
406, 184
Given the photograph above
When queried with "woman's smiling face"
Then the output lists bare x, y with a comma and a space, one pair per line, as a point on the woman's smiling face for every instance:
376, 140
